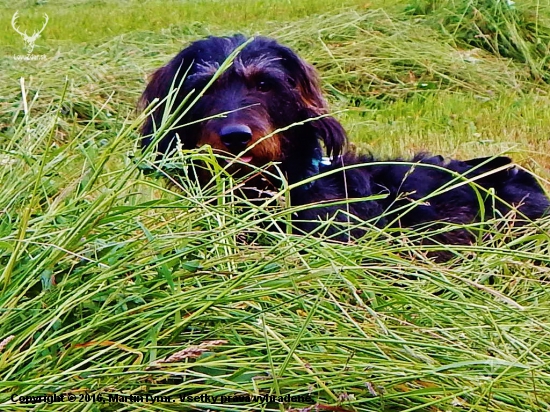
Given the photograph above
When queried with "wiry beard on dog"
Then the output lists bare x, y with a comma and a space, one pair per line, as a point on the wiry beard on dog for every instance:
267, 106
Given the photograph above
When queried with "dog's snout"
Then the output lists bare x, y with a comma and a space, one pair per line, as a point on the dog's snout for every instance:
235, 136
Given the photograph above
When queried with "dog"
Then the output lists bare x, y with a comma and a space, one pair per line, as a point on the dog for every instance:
265, 110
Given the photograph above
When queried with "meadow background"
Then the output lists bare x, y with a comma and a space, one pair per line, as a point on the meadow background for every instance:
116, 282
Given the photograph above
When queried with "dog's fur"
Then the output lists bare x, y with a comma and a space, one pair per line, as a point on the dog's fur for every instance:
268, 88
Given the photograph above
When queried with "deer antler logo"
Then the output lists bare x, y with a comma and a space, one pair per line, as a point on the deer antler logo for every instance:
29, 40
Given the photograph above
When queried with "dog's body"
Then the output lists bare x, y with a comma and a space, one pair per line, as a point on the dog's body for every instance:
268, 88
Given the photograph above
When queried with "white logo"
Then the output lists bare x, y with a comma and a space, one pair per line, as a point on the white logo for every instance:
29, 40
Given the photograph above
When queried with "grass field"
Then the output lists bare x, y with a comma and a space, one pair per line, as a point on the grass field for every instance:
115, 284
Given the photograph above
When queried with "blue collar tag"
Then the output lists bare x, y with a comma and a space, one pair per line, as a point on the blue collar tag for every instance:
317, 164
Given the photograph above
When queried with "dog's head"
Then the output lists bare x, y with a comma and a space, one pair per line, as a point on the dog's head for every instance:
259, 107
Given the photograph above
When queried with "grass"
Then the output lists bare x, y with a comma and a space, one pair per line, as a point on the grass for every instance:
114, 282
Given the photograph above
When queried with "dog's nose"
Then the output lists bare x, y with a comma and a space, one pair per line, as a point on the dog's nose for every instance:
235, 136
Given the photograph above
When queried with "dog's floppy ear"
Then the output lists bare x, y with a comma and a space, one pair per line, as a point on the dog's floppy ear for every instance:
333, 135
158, 87
306, 80
166, 80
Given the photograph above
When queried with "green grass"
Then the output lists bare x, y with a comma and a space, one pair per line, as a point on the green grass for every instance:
106, 272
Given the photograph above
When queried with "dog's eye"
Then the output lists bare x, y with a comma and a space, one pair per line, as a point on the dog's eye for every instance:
264, 85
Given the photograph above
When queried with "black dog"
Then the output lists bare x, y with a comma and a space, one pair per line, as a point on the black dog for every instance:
267, 108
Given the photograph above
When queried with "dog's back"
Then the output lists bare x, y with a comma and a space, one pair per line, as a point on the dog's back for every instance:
425, 190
